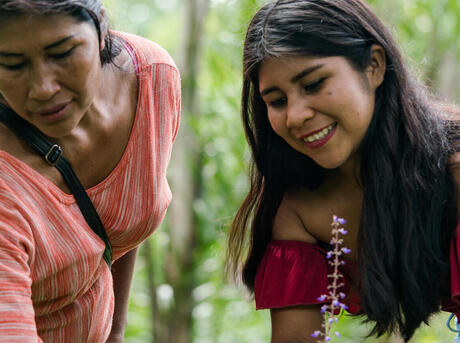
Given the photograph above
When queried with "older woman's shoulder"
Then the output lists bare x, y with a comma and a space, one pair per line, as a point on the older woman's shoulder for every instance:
146, 51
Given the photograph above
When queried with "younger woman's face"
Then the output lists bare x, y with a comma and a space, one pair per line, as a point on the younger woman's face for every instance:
321, 107
49, 70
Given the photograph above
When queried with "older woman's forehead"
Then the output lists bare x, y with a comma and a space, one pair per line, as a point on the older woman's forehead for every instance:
28, 31
46, 6
79, 10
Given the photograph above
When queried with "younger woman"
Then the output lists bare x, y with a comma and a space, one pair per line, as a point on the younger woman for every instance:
337, 125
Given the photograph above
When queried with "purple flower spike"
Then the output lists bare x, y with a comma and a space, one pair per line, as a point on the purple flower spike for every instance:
322, 297
316, 333
331, 303
346, 250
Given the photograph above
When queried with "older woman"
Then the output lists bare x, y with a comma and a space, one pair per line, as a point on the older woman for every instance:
111, 101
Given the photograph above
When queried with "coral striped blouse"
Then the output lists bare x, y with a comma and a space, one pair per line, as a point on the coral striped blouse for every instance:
54, 284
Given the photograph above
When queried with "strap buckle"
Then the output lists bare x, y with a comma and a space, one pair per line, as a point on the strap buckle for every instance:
53, 155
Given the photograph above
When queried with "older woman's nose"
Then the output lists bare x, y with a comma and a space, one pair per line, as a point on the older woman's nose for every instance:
43, 83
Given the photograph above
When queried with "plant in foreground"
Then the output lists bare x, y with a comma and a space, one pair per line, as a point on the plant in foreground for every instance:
333, 307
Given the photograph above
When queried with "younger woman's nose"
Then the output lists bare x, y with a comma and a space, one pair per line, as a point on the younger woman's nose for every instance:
297, 113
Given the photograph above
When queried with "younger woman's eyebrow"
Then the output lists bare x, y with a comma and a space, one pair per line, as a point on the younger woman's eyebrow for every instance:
296, 78
268, 90
50, 46
305, 72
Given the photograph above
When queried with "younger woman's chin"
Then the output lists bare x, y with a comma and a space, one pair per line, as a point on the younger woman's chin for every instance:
329, 164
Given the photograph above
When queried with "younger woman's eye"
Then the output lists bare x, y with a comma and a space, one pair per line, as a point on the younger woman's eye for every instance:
278, 103
314, 86
63, 55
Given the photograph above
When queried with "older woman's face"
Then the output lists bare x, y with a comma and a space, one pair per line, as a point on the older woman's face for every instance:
49, 70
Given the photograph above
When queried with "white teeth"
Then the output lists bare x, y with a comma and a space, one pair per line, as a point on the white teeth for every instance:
319, 135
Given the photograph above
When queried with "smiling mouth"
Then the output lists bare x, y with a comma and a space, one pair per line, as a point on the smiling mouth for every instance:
319, 135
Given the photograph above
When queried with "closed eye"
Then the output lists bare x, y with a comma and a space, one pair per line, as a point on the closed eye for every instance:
278, 103
13, 66
63, 55
315, 86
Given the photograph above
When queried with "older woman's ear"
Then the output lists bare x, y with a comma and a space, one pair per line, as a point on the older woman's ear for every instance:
103, 31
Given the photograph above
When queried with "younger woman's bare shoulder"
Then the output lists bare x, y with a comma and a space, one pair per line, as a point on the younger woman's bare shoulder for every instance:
288, 224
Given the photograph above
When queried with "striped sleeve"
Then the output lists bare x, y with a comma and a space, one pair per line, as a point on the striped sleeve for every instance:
17, 319
166, 86
175, 106
158, 68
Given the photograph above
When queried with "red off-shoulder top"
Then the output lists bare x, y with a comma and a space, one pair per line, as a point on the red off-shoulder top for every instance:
295, 273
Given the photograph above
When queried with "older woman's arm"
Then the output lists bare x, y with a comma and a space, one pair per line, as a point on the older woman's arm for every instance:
122, 273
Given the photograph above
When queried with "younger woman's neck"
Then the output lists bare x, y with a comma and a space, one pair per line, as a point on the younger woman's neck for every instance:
349, 173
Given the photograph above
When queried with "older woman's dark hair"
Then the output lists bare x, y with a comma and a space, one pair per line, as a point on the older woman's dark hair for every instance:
409, 203
81, 10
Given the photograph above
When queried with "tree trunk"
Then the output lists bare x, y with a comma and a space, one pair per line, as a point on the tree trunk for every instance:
158, 333
185, 177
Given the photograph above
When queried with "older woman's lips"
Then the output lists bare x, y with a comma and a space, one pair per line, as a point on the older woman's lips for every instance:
54, 113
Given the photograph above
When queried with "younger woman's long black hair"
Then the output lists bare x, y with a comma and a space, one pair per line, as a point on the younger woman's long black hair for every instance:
409, 209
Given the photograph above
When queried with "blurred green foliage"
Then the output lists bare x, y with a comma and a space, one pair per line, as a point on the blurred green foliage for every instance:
428, 31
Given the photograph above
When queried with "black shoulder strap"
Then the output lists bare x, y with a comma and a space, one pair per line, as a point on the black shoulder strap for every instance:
53, 155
